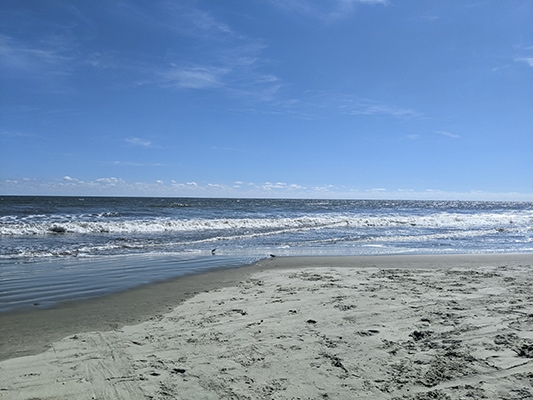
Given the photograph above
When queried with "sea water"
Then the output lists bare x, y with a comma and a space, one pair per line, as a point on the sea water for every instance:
61, 248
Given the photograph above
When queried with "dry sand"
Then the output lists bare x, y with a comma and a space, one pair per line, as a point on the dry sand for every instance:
405, 327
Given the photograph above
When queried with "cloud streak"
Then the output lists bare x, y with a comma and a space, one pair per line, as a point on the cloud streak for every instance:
448, 134
197, 77
236, 67
16, 57
376, 108
135, 164
314, 104
527, 60
324, 11
139, 142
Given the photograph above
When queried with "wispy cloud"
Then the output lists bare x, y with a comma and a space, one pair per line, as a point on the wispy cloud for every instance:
197, 77
235, 79
135, 164
139, 142
366, 107
101, 61
17, 134
448, 134
314, 104
207, 24
184, 18
500, 68
237, 72
527, 60
427, 18
416, 136
217, 57
325, 11
21, 58
220, 57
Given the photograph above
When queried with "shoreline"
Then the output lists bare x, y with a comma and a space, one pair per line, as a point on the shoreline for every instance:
30, 331
347, 326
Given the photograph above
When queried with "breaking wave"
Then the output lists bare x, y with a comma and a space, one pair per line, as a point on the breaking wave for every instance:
42, 225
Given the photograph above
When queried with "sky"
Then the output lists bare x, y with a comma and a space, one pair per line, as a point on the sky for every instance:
370, 99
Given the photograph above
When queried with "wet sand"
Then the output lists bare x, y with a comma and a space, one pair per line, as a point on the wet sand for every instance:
421, 327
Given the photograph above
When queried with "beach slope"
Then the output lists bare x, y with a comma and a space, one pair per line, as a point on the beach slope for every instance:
404, 327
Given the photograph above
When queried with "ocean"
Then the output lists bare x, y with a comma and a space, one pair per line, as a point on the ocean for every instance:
54, 249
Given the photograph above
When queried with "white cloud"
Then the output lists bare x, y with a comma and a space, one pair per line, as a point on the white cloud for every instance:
294, 186
139, 142
180, 17
500, 68
206, 23
325, 11
527, 60
198, 77
427, 18
102, 60
112, 186
235, 69
448, 134
279, 187
134, 164
312, 104
376, 108
325, 189
222, 60
110, 181
19, 56
270, 186
188, 185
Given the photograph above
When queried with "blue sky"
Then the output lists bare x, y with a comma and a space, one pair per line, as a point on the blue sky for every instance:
417, 99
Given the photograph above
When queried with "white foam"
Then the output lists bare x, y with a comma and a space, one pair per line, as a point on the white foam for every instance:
71, 224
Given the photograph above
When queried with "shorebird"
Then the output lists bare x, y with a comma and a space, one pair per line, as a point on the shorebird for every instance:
272, 256
213, 251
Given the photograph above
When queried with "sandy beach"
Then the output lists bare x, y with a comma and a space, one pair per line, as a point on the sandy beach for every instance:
382, 327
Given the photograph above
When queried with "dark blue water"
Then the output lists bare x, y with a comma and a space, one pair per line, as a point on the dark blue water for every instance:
57, 248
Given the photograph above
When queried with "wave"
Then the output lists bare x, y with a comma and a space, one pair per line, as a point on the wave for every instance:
13, 226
